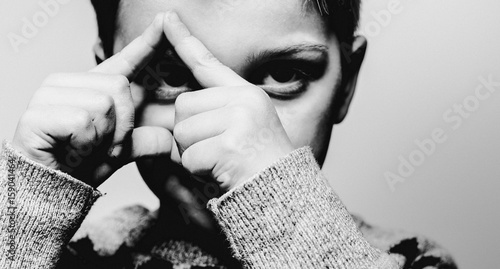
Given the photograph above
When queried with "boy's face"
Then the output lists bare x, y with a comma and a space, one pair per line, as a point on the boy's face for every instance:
280, 45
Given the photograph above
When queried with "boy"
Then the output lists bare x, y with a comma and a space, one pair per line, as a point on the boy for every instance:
222, 104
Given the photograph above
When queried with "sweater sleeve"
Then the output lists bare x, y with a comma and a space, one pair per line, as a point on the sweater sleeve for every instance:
287, 216
40, 209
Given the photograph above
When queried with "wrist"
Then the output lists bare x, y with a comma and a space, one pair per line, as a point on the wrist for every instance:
259, 163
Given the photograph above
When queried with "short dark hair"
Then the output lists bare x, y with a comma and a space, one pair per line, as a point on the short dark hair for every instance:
343, 18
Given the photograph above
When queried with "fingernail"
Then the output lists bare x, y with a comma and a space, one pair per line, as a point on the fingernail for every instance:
171, 16
159, 18
115, 151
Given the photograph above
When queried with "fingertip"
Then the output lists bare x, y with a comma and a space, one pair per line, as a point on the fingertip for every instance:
171, 16
158, 21
150, 141
132, 58
173, 27
115, 152
195, 55
154, 33
159, 17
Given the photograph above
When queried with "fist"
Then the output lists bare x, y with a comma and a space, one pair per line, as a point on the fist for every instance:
230, 133
230, 130
83, 123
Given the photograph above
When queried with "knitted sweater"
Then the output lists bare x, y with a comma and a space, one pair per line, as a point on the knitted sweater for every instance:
286, 216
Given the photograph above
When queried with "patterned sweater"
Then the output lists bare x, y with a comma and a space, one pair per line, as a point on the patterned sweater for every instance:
286, 216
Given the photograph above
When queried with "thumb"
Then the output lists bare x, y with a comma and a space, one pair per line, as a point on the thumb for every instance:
144, 142
149, 141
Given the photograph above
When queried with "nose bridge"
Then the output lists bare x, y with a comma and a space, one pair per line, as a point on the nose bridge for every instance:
166, 77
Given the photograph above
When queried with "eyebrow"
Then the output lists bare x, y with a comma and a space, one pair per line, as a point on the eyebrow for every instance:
287, 52
261, 57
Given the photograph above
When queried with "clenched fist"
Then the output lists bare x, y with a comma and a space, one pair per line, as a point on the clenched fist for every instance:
219, 130
83, 123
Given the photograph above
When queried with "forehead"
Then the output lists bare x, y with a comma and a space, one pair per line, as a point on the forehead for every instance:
224, 25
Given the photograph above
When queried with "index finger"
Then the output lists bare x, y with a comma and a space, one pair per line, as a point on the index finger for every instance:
206, 68
134, 57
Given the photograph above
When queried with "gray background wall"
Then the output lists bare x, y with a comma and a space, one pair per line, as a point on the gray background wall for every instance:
429, 56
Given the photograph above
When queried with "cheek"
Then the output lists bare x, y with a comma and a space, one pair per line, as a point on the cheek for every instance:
308, 119
306, 125
309, 126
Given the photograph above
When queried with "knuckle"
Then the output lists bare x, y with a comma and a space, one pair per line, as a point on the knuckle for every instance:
81, 120
261, 93
231, 144
178, 132
182, 101
181, 134
187, 40
53, 78
208, 60
120, 83
241, 112
104, 103
205, 62
40, 95
187, 161
30, 117
255, 94
43, 90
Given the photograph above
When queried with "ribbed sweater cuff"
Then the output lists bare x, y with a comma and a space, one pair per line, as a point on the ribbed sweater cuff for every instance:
287, 216
40, 209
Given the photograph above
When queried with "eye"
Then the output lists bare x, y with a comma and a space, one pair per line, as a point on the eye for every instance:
286, 79
156, 75
174, 75
281, 75
164, 81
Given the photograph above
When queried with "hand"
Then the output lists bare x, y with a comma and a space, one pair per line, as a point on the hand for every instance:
74, 122
230, 130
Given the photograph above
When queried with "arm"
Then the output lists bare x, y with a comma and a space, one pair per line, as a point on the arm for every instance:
288, 216
40, 208
81, 123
